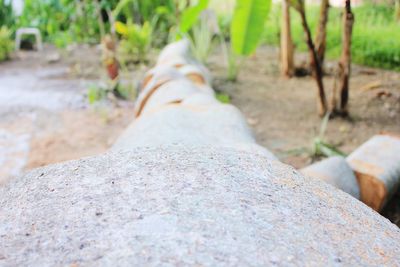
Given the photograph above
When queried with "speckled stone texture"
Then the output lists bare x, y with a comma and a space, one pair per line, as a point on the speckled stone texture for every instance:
175, 206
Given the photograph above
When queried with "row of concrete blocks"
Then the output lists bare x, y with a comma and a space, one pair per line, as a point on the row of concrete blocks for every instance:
177, 93
177, 105
215, 199
371, 173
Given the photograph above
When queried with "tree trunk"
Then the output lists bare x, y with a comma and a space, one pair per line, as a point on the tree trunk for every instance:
397, 10
286, 41
344, 67
315, 65
320, 39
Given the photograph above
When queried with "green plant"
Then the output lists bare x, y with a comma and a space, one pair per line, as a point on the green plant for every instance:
80, 19
61, 39
224, 23
246, 29
95, 94
201, 40
233, 66
223, 98
135, 43
248, 24
6, 14
320, 147
161, 14
126, 91
190, 16
6, 43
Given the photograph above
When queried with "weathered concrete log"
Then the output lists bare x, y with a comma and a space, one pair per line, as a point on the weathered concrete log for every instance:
196, 73
177, 106
176, 52
152, 82
335, 171
180, 206
376, 164
191, 125
166, 83
174, 91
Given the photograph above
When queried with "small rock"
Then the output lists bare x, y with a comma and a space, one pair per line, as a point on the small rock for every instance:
53, 58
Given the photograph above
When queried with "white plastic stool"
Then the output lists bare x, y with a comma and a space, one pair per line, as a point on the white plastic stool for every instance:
28, 31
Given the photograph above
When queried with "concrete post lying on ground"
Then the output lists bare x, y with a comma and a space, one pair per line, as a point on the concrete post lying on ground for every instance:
176, 105
337, 172
376, 164
191, 188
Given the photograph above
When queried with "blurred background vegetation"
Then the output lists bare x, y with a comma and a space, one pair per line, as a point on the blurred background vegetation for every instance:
376, 33
148, 24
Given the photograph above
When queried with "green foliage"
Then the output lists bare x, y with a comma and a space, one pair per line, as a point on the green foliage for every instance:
233, 67
201, 41
6, 43
224, 23
6, 14
95, 94
320, 147
248, 24
58, 18
223, 98
161, 14
136, 41
190, 16
61, 39
126, 91
246, 31
375, 41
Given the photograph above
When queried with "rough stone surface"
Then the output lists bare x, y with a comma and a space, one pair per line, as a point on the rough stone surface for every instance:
186, 206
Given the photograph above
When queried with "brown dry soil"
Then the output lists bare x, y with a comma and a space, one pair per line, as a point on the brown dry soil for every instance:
281, 111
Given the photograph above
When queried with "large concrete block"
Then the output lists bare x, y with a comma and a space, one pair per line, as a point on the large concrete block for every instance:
335, 171
186, 206
376, 164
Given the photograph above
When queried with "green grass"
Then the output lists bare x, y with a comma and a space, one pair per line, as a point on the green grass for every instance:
376, 35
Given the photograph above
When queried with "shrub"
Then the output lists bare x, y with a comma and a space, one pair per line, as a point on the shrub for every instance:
6, 43
135, 43
6, 13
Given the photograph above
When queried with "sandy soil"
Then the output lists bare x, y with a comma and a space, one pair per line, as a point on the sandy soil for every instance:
44, 114
281, 111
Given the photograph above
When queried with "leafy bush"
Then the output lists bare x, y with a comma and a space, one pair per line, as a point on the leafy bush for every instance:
6, 14
136, 41
161, 14
6, 43
201, 40
58, 18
